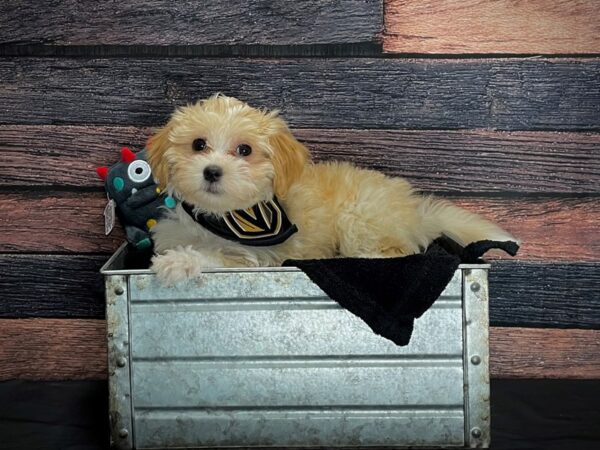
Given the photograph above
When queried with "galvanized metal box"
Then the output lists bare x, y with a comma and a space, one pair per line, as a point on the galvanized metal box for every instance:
263, 358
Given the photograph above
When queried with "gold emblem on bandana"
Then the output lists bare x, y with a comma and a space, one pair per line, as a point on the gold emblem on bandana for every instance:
262, 220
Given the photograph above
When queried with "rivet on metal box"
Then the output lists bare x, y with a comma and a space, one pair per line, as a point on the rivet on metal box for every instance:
263, 358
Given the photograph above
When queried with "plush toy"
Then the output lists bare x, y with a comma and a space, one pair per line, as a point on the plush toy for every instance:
134, 194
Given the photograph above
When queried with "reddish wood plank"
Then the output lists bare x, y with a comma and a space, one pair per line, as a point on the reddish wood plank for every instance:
52, 349
66, 156
501, 26
59, 222
560, 229
549, 229
466, 161
544, 353
70, 349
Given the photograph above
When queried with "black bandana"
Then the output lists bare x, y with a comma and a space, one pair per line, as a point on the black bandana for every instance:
261, 225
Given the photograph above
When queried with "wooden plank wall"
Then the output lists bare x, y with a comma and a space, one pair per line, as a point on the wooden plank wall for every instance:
493, 104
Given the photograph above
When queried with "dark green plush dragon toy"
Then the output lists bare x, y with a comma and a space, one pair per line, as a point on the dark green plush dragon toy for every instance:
135, 196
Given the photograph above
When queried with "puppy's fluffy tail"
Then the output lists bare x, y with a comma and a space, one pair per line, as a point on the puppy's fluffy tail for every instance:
458, 224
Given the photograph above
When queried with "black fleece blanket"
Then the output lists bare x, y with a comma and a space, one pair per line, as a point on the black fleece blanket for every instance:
390, 293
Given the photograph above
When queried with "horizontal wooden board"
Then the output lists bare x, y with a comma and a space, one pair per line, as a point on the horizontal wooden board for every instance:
559, 229
74, 222
51, 286
463, 161
505, 26
161, 22
344, 50
544, 353
52, 349
523, 294
60, 222
70, 349
509, 94
531, 294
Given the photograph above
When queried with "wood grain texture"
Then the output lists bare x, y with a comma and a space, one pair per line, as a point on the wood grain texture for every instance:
560, 229
508, 94
544, 353
504, 26
162, 22
63, 222
463, 161
345, 50
523, 294
545, 294
70, 349
51, 286
52, 349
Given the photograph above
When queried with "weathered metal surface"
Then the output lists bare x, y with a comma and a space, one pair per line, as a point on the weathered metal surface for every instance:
119, 380
304, 382
266, 283
262, 357
348, 427
271, 328
476, 358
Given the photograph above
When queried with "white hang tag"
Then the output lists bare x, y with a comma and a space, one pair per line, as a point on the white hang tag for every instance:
109, 217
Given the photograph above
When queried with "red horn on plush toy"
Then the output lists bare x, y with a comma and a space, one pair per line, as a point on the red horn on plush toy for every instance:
102, 172
127, 155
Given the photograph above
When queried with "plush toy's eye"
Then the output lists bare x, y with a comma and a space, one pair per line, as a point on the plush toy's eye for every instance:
139, 171
243, 150
199, 145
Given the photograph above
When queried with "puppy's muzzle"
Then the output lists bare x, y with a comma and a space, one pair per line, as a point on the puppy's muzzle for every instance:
212, 173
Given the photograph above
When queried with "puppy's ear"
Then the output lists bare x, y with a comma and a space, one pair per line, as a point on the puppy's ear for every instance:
289, 159
157, 146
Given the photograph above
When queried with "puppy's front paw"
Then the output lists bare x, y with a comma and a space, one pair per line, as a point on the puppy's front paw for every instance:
178, 265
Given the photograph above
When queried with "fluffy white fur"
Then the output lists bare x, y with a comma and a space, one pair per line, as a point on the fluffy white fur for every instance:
340, 210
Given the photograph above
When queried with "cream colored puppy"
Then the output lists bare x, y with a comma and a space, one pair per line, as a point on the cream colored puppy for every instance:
221, 155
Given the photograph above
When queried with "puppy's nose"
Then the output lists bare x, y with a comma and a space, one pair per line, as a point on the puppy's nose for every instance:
212, 173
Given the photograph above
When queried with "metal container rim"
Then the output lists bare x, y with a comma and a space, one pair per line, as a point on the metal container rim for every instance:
107, 271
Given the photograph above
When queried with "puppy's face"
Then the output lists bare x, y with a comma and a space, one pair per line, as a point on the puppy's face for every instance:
221, 155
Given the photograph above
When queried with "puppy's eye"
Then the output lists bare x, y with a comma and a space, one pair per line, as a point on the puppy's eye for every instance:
243, 150
199, 145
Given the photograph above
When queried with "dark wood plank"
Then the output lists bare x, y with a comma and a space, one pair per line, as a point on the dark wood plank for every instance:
544, 353
505, 26
523, 294
545, 294
51, 286
509, 94
75, 349
161, 22
465, 161
353, 50
560, 229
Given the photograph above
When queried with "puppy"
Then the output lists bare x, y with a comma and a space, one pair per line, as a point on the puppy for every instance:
226, 162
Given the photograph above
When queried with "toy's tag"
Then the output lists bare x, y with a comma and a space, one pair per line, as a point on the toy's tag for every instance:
109, 217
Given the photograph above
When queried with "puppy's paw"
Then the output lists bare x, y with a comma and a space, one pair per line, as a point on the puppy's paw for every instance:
178, 265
